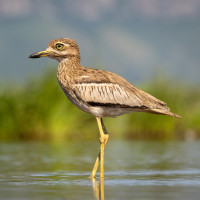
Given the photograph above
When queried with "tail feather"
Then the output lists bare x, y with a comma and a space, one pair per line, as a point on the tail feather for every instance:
153, 105
163, 112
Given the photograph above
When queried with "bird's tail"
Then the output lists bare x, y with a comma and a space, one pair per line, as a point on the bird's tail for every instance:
172, 114
163, 112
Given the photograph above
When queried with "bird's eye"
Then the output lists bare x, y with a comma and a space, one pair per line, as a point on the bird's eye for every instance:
59, 46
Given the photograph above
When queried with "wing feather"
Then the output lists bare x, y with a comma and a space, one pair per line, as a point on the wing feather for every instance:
102, 87
106, 94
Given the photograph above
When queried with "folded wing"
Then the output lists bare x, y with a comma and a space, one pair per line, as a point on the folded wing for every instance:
117, 92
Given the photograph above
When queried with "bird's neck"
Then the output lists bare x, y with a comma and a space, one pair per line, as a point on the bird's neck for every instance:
71, 63
66, 70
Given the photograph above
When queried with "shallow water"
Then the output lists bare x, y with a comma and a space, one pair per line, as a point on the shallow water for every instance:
133, 170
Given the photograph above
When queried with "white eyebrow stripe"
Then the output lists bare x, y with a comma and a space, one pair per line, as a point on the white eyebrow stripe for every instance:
67, 45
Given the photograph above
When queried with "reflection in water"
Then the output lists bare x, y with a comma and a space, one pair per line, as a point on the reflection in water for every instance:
98, 189
102, 189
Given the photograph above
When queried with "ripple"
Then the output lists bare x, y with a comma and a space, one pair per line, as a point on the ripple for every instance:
134, 182
154, 172
187, 177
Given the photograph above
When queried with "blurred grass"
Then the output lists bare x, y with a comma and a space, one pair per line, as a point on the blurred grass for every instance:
39, 110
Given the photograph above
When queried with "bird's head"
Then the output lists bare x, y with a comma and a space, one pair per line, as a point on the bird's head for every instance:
59, 49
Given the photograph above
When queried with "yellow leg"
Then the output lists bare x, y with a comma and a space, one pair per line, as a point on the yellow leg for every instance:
103, 141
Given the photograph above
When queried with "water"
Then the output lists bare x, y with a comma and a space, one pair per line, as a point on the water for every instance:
133, 170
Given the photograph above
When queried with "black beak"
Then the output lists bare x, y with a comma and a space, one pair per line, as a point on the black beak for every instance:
39, 54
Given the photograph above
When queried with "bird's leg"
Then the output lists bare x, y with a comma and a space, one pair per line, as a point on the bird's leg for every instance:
94, 171
103, 141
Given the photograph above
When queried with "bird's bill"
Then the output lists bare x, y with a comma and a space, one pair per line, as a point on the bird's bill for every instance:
39, 54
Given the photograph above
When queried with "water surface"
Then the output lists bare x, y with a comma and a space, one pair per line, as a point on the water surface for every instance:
133, 170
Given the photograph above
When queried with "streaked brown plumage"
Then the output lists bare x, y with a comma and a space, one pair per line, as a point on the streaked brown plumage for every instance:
98, 92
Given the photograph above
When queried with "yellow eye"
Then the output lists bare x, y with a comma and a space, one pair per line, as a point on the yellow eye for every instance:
59, 46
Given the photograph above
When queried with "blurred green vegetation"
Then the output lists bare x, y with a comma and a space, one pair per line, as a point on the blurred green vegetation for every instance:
39, 110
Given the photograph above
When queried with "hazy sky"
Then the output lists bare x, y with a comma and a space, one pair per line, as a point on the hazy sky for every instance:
135, 38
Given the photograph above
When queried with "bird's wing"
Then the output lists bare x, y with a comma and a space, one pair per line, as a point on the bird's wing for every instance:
106, 94
112, 90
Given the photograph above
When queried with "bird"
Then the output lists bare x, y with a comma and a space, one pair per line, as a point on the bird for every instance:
98, 92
